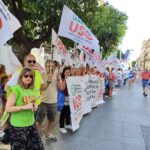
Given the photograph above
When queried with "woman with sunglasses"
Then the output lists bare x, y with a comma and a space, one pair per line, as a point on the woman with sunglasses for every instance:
21, 106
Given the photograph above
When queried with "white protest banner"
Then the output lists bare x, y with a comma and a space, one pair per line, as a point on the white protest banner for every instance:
100, 91
95, 90
72, 27
86, 94
8, 24
93, 86
8, 58
75, 100
56, 41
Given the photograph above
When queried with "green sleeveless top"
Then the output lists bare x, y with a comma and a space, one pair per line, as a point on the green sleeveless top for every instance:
23, 118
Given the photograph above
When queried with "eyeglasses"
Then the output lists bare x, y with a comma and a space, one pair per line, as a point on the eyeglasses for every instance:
31, 61
28, 76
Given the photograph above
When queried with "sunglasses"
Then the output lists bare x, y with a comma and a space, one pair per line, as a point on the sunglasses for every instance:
31, 61
28, 76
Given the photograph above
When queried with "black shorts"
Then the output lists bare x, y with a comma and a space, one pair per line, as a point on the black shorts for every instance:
47, 109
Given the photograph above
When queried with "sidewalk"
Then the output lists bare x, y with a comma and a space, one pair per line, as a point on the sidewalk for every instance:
115, 125
122, 123
7, 147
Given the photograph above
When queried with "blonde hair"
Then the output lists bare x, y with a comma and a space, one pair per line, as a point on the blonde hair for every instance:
24, 71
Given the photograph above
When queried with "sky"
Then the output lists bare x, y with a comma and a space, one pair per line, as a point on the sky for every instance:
138, 23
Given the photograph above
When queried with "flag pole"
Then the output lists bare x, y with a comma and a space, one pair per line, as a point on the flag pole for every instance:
51, 46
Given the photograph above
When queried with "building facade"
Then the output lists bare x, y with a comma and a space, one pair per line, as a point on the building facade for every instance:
144, 58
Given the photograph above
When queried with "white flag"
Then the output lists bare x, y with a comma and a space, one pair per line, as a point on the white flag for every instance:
82, 56
9, 59
93, 57
8, 24
89, 60
72, 27
112, 59
56, 41
85, 49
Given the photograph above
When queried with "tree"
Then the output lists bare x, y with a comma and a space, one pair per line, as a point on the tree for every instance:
38, 17
133, 64
110, 27
120, 54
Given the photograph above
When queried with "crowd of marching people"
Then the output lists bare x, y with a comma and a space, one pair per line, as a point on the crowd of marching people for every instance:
30, 97
119, 78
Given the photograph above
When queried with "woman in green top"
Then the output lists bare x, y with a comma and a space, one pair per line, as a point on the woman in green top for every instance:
21, 106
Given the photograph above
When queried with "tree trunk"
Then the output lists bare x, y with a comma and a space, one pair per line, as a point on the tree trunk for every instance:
25, 44
22, 52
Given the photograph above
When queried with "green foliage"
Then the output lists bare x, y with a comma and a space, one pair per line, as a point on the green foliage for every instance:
110, 26
119, 54
38, 17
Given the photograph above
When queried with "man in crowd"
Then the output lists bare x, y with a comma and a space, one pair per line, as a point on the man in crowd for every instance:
30, 61
145, 80
49, 101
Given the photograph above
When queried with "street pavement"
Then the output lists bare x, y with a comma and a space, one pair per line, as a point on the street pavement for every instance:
122, 123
